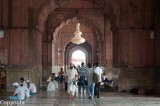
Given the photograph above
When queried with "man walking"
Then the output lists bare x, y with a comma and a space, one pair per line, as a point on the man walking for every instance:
82, 72
91, 84
98, 70
72, 75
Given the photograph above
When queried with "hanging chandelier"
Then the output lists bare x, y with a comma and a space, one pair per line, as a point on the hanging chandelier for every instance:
77, 39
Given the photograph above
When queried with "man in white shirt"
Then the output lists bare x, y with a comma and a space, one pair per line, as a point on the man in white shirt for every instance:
103, 68
31, 87
22, 81
19, 93
71, 74
99, 71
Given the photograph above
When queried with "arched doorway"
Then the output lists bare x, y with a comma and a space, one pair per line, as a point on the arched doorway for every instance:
101, 36
78, 57
71, 48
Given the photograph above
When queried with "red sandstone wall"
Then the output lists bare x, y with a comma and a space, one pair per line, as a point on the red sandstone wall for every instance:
136, 14
21, 48
136, 49
157, 33
131, 22
20, 45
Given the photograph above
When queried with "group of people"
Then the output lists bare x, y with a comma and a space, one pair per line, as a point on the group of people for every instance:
83, 74
23, 89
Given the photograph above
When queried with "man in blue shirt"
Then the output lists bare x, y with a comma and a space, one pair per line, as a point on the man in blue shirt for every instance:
82, 72
19, 93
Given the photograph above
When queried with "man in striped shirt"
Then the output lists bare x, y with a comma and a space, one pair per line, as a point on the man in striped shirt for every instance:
82, 72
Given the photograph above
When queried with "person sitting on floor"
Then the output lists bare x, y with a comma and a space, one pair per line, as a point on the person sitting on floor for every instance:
51, 77
22, 81
51, 86
19, 93
27, 93
106, 81
55, 84
32, 88
54, 80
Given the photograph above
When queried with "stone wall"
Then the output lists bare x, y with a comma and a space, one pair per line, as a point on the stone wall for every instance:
136, 78
14, 73
124, 43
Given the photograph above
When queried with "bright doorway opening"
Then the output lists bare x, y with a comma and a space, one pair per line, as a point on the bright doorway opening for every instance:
78, 57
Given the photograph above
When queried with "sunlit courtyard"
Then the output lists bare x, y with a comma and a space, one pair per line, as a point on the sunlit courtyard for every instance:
78, 57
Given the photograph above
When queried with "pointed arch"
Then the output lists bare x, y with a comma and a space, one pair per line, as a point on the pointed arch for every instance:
47, 9
84, 20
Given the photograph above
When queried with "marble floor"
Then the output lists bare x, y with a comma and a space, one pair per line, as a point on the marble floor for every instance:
60, 98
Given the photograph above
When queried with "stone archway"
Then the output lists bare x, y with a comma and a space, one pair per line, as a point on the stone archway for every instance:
84, 20
45, 10
57, 37
70, 48
51, 5
78, 48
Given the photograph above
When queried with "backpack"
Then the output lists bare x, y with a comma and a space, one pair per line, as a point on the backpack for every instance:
95, 77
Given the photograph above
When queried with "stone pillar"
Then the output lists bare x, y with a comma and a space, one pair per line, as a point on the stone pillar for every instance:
109, 49
54, 67
37, 74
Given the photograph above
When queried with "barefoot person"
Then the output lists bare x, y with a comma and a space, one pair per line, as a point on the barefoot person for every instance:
71, 76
